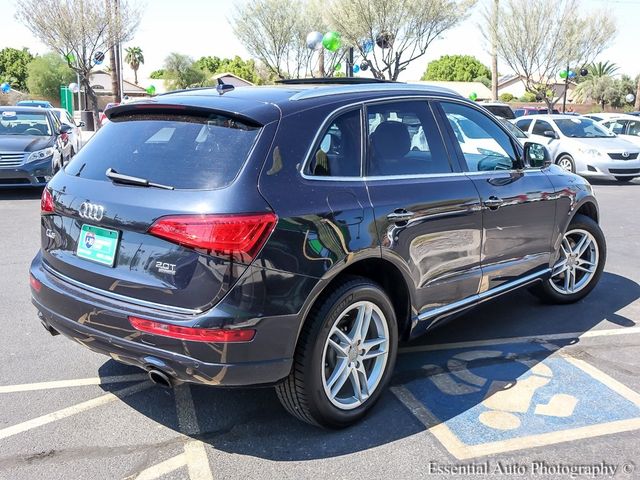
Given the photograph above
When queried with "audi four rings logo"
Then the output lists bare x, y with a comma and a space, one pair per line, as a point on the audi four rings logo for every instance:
91, 211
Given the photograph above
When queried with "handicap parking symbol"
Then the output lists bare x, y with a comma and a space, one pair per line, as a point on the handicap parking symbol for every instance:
480, 401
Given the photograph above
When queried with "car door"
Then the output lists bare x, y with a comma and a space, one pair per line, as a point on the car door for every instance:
539, 132
518, 204
427, 211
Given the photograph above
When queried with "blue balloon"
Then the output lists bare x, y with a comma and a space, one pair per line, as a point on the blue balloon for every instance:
367, 46
572, 74
5, 87
356, 69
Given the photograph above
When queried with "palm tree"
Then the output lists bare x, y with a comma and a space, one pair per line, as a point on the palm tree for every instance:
134, 58
597, 83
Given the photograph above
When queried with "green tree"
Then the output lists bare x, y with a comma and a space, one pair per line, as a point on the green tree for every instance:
157, 74
180, 71
456, 68
13, 67
46, 74
245, 69
134, 58
600, 86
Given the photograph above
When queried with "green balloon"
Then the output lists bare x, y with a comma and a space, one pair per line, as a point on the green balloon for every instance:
563, 74
473, 97
331, 41
338, 67
71, 57
151, 90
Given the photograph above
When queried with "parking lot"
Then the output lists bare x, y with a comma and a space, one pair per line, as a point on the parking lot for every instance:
510, 388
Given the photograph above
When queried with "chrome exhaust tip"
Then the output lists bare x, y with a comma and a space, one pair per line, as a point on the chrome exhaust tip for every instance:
160, 378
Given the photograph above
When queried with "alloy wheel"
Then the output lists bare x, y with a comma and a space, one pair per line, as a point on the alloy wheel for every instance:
565, 164
355, 355
578, 262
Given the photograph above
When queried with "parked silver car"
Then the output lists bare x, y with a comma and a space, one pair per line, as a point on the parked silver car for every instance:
582, 146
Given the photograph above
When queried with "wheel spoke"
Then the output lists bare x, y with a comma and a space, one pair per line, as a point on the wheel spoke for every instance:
338, 377
363, 317
559, 268
339, 349
585, 269
583, 245
566, 247
359, 385
340, 334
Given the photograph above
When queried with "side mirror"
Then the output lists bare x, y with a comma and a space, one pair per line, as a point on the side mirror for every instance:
536, 155
81, 124
551, 134
66, 128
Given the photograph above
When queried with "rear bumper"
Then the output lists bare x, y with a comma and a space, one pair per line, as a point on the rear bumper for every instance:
33, 174
101, 324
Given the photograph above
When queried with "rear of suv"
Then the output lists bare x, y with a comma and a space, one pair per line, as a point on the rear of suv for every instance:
293, 235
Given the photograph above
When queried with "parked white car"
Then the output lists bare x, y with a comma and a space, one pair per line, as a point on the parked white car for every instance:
75, 136
625, 126
583, 146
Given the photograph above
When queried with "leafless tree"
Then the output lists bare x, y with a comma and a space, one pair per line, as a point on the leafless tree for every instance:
538, 39
411, 25
77, 30
275, 31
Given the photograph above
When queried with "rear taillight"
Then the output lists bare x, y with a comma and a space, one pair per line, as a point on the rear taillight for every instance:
35, 284
241, 236
217, 335
46, 202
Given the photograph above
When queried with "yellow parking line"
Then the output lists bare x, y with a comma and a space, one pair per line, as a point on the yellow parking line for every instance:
162, 468
524, 339
77, 382
74, 409
195, 451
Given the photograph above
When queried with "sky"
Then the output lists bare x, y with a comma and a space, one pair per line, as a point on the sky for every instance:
201, 27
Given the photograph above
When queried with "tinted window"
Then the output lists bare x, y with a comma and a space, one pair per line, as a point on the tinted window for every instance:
634, 128
21, 123
404, 140
484, 144
582, 128
187, 152
339, 153
503, 111
540, 127
617, 127
524, 124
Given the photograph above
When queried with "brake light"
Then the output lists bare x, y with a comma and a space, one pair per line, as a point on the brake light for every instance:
240, 235
35, 284
46, 202
212, 335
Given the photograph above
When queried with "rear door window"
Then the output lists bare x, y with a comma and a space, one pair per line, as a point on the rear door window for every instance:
184, 151
540, 127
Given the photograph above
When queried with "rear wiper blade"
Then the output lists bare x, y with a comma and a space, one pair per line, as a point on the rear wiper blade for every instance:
116, 177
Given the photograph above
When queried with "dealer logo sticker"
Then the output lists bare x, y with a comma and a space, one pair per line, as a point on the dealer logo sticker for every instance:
89, 240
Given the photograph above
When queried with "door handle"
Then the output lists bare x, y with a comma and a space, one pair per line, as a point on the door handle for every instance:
400, 215
493, 202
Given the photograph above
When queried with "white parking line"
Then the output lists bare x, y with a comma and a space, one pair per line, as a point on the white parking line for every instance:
77, 382
526, 339
72, 410
196, 454
162, 468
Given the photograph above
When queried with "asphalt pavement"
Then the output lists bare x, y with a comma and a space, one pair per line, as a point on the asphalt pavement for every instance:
512, 388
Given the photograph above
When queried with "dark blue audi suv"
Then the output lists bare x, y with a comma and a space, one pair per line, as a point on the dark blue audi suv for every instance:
293, 235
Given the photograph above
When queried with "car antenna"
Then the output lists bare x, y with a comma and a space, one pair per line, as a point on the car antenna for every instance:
223, 87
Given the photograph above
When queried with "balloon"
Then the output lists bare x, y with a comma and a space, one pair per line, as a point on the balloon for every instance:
630, 98
584, 72
98, 58
364, 66
314, 40
563, 74
367, 46
356, 69
5, 87
473, 96
74, 87
338, 67
151, 90
384, 40
331, 41
70, 57
572, 74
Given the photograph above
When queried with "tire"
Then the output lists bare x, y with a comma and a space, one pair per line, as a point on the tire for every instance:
554, 290
624, 179
565, 161
305, 393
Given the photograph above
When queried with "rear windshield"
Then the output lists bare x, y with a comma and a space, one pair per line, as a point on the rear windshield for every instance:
184, 151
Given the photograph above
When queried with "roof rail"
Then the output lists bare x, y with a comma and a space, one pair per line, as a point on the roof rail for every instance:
331, 81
